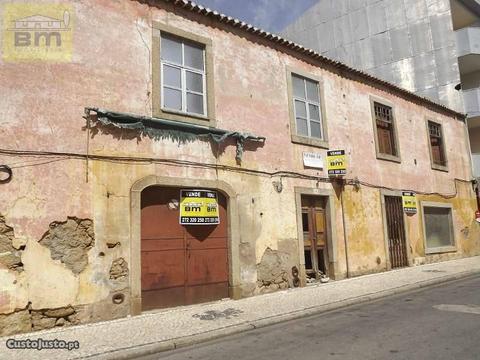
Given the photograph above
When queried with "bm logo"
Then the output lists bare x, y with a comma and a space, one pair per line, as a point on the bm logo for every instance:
37, 32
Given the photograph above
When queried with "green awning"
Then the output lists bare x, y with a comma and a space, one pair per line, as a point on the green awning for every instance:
182, 132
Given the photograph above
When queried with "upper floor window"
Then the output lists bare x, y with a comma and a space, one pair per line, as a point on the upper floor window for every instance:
385, 129
306, 103
437, 150
183, 83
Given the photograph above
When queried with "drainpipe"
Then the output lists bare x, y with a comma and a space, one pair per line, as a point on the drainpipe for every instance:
342, 184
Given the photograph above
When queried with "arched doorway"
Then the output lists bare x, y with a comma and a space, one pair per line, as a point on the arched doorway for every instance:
180, 264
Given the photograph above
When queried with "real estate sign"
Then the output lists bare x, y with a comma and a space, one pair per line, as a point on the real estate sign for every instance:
409, 201
199, 207
336, 162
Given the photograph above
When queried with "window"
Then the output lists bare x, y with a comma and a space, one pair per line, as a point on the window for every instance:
438, 225
385, 129
183, 75
436, 144
306, 105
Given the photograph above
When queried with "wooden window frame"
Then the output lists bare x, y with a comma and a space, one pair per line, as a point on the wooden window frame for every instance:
209, 101
434, 165
299, 139
184, 69
395, 158
441, 249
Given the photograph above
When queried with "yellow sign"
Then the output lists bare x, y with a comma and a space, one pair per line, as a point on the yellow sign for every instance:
37, 32
199, 207
409, 201
336, 162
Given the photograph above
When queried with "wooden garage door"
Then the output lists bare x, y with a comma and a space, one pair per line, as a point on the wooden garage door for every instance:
180, 264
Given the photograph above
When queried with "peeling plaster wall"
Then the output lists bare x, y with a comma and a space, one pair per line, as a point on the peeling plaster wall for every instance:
251, 96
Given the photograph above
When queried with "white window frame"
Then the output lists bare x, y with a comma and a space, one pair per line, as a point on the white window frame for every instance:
440, 249
183, 82
307, 103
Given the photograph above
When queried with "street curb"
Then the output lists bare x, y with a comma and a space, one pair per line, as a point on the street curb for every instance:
171, 344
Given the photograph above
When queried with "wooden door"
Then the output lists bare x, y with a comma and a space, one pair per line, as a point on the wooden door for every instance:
314, 235
396, 231
180, 264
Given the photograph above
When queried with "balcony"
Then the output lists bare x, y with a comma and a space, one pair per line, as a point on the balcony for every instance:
468, 49
471, 98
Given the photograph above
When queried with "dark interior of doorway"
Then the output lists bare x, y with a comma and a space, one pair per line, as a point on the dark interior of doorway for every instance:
314, 224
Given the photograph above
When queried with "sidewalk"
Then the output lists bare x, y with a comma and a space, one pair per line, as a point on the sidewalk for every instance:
164, 330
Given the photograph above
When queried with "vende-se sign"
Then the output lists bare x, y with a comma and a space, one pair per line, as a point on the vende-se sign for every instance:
409, 201
336, 162
199, 207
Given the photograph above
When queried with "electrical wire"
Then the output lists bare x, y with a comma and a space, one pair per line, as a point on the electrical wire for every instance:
175, 162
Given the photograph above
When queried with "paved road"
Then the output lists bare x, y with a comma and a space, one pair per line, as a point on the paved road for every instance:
435, 323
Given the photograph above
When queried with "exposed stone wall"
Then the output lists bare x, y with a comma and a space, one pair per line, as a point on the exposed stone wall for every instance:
119, 269
27, 320
9, 249
69, 242
15, 323
271, 272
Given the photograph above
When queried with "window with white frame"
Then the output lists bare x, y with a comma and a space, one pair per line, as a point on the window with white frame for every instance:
438, 224
306, 102
183, 86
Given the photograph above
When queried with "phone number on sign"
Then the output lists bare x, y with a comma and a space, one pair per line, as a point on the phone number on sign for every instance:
199, 220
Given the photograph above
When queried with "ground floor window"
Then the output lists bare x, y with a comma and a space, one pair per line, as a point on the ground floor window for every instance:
438, 227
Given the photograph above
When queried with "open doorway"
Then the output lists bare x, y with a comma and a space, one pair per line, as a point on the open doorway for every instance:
314, 226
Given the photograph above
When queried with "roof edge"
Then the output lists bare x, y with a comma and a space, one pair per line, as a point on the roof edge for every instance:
301, 50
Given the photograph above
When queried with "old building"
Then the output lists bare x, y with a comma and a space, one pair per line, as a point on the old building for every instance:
163, 96
429, 47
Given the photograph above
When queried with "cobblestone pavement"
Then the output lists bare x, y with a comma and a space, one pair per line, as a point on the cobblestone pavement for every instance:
168, 329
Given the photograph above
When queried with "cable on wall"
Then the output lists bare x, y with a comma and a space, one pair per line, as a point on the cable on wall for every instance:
174, 162
6, 174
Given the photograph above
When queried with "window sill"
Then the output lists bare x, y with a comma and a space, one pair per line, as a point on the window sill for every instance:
440, 250
184, 117
388, 157
440, 167
297, 139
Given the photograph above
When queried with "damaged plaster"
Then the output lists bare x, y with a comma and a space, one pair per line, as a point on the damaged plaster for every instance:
271, 272
69, 242
9, 255
119, 269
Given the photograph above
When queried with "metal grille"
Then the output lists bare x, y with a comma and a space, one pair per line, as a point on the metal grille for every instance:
396, 231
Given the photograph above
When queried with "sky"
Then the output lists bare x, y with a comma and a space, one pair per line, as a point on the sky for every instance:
269, 15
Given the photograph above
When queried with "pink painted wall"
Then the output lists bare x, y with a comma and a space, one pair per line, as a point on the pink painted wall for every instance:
42, 107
